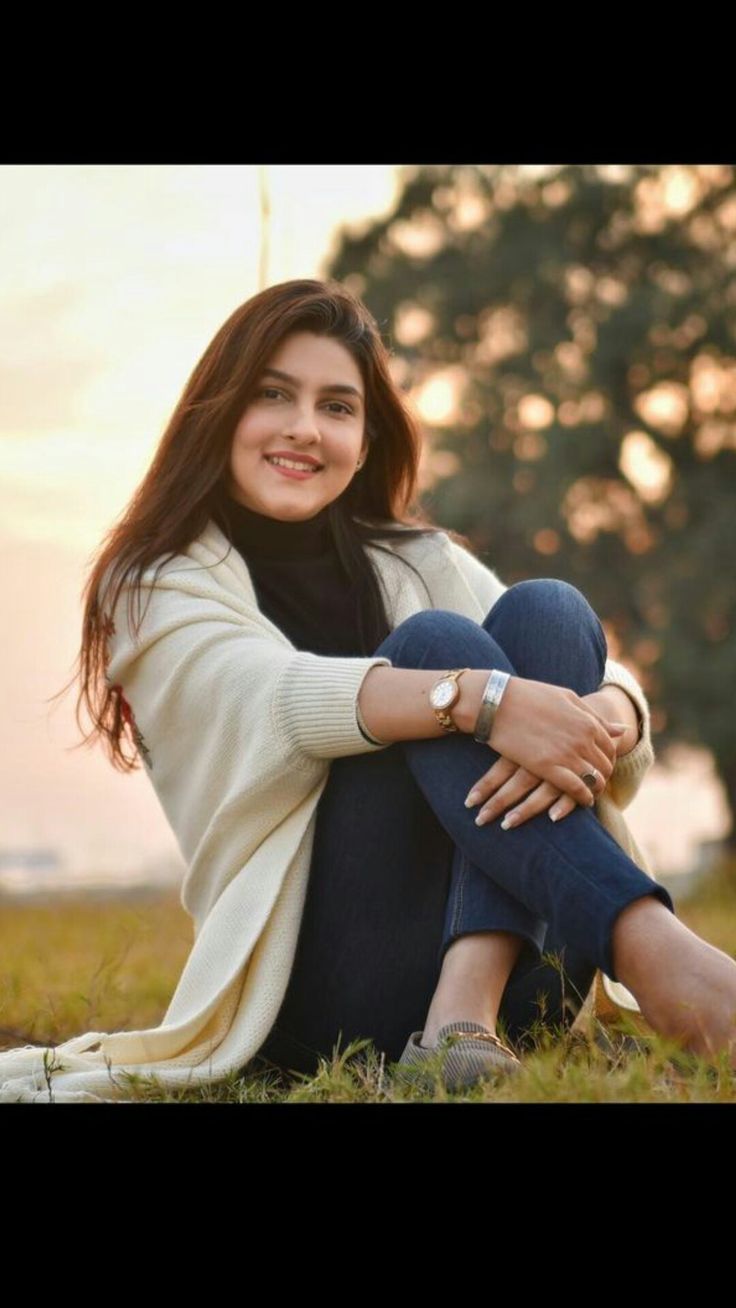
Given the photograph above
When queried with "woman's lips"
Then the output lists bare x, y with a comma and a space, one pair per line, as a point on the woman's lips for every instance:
292, 472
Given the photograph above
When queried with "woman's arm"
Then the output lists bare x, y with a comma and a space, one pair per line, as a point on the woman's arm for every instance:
637, 756
622, 690
543, 728
393, 703
615, 704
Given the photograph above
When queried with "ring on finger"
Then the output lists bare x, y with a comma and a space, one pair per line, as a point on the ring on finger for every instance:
590, 778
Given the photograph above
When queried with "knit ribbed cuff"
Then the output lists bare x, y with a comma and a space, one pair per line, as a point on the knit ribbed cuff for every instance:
630, 769
315, 705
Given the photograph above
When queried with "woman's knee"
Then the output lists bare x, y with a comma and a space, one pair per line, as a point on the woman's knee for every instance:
547, 611
546, 594
451, 636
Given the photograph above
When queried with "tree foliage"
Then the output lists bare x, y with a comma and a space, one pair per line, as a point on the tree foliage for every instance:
570, 337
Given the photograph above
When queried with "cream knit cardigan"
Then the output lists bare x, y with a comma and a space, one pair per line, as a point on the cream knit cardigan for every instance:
236, 728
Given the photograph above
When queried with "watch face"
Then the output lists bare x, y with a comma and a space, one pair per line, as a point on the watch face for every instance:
443, 694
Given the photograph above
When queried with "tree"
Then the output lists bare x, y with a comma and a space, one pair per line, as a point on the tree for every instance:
569, 339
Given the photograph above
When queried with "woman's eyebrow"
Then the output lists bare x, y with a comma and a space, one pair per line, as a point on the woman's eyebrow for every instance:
340, 387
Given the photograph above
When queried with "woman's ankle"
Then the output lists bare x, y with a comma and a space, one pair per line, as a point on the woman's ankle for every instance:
685, 987
475, 970
458, 1010
643, 943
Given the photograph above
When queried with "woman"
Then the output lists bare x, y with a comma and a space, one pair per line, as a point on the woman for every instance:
319, 679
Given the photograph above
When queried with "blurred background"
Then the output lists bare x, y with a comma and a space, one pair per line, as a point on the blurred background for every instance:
567, 334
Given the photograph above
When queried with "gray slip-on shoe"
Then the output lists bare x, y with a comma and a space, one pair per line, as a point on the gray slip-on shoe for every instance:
464, 1054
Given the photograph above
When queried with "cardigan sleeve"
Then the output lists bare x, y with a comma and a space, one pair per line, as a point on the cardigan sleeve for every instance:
629, 769
207, 679
315, 705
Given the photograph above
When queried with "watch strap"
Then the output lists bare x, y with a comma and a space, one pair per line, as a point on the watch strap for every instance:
443, 714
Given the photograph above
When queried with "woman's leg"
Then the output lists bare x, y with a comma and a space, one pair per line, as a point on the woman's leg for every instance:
550, 633
366, 958
569, 880
373, 928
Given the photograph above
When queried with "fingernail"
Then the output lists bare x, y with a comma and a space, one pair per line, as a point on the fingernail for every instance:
481, 818
472, 799
554, 815
510, 821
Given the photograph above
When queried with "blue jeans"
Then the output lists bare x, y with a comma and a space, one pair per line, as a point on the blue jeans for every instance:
399, 869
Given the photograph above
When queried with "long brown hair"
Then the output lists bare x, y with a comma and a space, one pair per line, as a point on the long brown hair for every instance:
184, 487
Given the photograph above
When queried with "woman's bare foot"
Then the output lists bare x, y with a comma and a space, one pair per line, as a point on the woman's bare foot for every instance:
474, 973
686, 988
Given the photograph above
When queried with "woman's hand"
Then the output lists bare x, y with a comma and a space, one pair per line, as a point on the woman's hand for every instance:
555, 734
505, 783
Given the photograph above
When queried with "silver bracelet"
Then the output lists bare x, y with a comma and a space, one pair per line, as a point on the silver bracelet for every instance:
492, 696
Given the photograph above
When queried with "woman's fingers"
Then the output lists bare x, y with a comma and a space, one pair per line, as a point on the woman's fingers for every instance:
571, 783
543, 798
538, 801
601, 781
558, 786
502, 787
488, 784
523, 796
552, 732
513, 790
508, 786
497, 795
563, 806
599, 753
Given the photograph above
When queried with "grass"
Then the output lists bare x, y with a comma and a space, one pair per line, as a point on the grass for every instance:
81, 965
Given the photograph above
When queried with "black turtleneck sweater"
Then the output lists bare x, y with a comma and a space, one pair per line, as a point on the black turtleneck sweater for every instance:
299, 581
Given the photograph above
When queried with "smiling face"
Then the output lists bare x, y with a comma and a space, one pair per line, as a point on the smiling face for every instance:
310, 401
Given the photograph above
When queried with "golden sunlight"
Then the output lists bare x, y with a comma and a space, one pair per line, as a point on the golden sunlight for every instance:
412, 323
649, 468
713, 384
421, 238
597, 504
664, 406
536, 412
437, 399
502, 332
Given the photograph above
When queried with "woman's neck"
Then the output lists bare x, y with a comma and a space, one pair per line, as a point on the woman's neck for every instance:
262, 536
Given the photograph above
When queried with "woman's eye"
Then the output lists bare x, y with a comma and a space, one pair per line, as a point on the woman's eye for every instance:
273, 390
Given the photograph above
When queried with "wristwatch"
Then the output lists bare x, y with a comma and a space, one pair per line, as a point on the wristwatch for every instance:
444, 694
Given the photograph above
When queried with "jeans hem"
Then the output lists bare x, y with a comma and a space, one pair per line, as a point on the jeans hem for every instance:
530, 953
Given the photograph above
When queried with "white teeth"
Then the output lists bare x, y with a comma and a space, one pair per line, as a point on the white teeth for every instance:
290, 463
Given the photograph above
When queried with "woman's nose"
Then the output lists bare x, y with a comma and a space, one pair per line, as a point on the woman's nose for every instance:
303, 423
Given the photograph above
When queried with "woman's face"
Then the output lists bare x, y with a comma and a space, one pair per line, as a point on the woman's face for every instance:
310, 401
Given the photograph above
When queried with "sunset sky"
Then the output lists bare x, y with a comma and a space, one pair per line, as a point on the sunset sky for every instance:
115, 278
